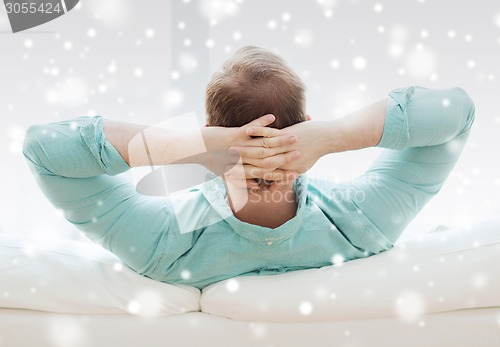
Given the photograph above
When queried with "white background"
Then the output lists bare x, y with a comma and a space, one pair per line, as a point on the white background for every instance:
144, 61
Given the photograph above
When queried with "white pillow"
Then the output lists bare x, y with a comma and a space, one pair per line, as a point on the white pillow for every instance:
441, 271
74, 277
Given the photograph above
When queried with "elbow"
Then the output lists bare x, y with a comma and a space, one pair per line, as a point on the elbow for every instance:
32, 145
466, 108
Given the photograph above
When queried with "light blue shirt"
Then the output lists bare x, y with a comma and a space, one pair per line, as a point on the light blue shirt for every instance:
425, 131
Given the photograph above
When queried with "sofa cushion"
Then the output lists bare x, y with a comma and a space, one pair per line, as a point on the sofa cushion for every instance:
439, 271
60, 275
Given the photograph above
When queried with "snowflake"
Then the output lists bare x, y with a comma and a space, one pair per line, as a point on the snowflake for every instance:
118, 267
304, 38
409, 306
421, 62
69, 93
66, 331
399, 33
258, 329
219, 9
173, 98
112, 67
102, 88
138, 72
111, 12
479, 281
496, 19
28, 43
359, 63
327, 4
133, 307
210, 43
237, 36
338, 259
305, 308
188, 62
396, 50
185, 274
175, 75
232, 285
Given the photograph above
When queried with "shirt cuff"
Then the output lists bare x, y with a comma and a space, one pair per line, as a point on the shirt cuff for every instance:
108, 158
396, 133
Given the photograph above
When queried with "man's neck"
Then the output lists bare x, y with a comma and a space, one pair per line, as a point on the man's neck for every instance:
263, 207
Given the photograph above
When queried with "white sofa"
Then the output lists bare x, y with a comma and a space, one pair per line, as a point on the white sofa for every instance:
442, 289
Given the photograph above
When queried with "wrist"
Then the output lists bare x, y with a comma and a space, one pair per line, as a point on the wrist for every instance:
333, 137
193, 148
215, 141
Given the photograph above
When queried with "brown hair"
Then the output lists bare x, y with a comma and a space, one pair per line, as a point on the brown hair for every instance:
252, 83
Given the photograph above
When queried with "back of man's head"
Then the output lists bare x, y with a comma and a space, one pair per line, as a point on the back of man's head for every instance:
252, 83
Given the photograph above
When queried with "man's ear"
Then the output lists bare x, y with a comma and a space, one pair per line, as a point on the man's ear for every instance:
308, 117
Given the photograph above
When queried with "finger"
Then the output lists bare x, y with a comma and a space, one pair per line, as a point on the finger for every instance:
235, 174
262, 121
235, 171
259, 152
263, 131
241, 183
254, 152
273, 162
271, 142
270, 175
252, 184
276, 185
282, 176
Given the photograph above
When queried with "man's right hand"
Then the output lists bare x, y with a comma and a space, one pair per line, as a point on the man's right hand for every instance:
313, 142
271, 149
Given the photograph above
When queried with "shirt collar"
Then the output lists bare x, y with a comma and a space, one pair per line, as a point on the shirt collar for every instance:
215, 192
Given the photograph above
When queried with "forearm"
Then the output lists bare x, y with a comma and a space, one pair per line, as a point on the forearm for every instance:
448, 113
142, 145
360, 129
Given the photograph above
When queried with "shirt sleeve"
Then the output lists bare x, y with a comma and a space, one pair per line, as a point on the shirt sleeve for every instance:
74, 148
78, 171
424, 133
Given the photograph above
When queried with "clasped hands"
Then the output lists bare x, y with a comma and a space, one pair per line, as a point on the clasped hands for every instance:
256, 156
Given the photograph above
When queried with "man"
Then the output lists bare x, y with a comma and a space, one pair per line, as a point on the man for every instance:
232, 225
